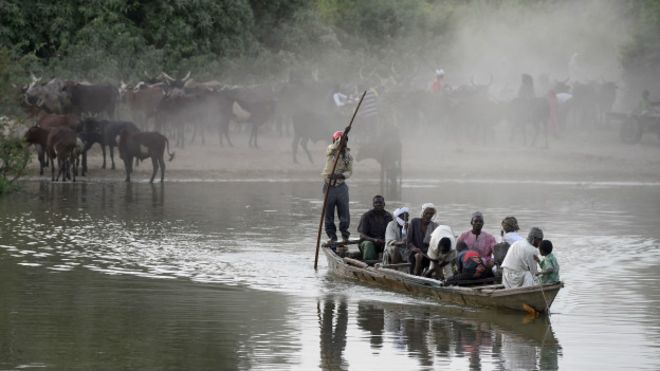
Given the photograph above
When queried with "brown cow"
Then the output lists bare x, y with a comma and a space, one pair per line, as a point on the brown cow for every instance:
131, 144
63, 145
39, 137
52, 120
143, 101
60, 143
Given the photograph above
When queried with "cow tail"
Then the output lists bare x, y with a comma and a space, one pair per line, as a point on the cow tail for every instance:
167, 143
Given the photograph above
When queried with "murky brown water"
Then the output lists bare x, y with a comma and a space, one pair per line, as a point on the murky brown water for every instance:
219, 275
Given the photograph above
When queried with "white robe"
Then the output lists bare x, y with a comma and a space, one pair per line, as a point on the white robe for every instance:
519, 265
439, 233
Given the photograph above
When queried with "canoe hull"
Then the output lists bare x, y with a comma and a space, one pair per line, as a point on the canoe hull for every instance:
539, 298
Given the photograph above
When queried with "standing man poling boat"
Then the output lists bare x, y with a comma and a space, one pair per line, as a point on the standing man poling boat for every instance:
338, 189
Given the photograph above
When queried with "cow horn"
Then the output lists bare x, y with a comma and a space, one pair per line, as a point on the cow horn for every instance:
472, 81
361, 74
186, 77
168, 77
315, 74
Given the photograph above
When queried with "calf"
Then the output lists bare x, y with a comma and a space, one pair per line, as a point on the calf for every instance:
62, 144
39, 137
52, 120
104, 133
131, 144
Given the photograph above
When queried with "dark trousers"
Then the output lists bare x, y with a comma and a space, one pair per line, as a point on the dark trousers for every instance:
337, 199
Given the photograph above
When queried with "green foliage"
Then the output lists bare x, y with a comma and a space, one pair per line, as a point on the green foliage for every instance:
643, 51
247, 40
14, 155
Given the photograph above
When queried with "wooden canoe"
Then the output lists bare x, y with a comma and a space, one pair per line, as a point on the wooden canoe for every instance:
538, 297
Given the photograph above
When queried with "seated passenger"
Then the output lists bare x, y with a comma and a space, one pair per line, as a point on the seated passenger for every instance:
372, 229
478, 240
442, 253
471, 268
519, 266
396, 238
461, 249
549, 267
419, 237
510, 230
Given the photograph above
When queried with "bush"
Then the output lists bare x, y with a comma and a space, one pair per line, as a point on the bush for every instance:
14, 155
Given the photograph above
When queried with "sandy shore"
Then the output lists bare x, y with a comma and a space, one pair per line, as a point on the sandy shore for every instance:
583, 156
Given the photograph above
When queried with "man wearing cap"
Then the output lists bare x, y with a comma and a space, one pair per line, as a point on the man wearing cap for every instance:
478, 240
519, 265
338, 189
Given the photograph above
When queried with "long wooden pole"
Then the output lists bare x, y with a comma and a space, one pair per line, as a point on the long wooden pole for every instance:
340, 148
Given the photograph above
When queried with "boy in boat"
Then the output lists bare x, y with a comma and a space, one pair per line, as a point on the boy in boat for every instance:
549, 267
396, 237
372, 229
338, 192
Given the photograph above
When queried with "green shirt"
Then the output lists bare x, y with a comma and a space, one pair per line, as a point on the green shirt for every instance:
550, 269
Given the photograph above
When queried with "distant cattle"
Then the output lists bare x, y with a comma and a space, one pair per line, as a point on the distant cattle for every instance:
105, 133
312, 112
386, 150
49, 97
142, 145
254, 105
92, 99
528, 112
142, 101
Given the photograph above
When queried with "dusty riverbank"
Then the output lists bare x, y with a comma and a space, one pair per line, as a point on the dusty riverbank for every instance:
584, 156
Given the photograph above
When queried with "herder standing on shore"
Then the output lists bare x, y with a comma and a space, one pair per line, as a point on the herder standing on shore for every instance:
338, 192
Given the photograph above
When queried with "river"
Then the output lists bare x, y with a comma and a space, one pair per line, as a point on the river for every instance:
212, 274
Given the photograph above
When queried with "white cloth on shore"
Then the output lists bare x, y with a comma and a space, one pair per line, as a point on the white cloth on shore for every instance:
519, 265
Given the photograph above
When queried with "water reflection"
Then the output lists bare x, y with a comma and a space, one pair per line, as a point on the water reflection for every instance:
437, 337
333, 321
194, 232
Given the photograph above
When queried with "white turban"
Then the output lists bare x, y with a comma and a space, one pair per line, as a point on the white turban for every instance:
397, 215
426, 206
440, 72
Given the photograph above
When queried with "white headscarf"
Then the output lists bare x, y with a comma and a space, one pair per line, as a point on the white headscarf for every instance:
426, 206
401, 222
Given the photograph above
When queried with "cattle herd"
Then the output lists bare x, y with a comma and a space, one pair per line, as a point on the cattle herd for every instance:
71, 116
